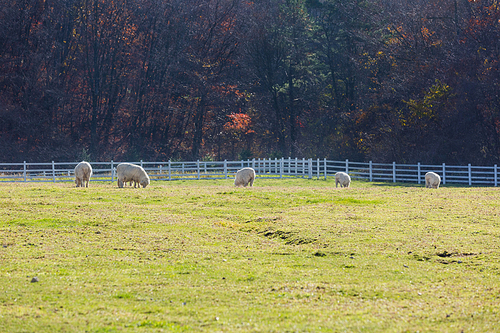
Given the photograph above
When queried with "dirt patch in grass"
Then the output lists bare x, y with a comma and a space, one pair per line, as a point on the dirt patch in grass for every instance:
290, 237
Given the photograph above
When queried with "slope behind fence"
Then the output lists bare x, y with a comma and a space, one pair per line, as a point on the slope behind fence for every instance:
268, 168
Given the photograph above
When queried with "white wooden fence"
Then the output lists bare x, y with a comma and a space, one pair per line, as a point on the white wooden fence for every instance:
268, 168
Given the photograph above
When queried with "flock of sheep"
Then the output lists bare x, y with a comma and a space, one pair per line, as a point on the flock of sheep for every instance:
432, 179
127, 172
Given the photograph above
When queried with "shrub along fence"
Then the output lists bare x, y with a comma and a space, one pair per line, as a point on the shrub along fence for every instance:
265, 168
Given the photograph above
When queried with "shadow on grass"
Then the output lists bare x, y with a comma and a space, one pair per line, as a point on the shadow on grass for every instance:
401, 184
396, 184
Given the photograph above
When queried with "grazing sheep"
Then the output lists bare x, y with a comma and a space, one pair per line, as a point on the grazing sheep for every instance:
83, 172
343, 179
127, 172
244, 177
432, 180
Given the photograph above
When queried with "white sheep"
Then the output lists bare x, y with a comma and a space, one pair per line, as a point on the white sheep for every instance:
127, 172
343, 179
432, 180
244, 177
83, 172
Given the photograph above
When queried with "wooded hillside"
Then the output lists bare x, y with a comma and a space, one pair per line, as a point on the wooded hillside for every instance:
379, 80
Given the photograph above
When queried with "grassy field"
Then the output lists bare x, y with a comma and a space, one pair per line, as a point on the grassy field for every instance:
284, 256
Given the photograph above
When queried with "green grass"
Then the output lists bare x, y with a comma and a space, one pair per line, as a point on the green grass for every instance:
289, 255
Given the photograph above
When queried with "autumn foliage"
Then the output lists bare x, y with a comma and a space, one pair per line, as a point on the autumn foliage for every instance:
376, 80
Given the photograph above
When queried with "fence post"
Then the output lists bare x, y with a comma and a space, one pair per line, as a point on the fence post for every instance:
169, 170
225, 169
317, 168
470, 175
53, 172
310, 168
393, 172
141, 164
112, 171
24, 172
198, 169
326, 175
496, 175
418, 173
371, 171
444, 174
346, 166
282, 166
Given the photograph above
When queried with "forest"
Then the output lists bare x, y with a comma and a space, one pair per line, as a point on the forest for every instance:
381, 80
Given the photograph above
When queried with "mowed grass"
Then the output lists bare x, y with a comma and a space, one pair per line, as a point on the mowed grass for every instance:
289, 255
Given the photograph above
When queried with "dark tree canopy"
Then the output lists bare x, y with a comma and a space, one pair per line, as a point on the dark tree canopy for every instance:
380, 80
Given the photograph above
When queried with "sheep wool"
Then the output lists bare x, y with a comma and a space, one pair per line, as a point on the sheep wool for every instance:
432, 180
244, 177
343, 179
83, 172
127, 172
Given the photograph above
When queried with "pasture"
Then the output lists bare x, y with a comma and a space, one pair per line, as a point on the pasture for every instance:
289, 255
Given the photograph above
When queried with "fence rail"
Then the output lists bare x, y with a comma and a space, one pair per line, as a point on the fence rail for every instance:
264, 168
